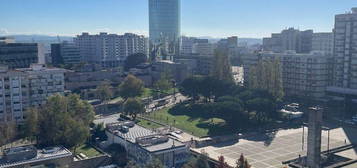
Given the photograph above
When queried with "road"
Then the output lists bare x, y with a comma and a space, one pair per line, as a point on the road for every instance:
153, 106
171, 100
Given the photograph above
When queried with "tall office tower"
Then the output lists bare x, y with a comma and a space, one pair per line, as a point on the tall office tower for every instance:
165, 25
19, 55
345, 53
323, 42
65, 53
110, 49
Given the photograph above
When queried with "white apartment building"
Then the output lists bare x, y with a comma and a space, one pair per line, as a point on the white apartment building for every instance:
110, 48
25, 87
142, 145
344, 82
302, 74
323, 42
192, 45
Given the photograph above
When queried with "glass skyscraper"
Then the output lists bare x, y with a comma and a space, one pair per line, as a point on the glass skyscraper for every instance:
165, 24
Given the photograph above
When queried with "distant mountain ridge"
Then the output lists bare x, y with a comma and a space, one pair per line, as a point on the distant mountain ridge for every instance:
40, 38
249, 41
46, 39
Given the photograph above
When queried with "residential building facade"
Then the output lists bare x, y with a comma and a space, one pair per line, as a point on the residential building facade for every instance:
289, 40
110, 49
26, 87
345, 55
303, 75
323, 42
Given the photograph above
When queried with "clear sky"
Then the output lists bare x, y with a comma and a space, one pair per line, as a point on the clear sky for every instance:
216, 18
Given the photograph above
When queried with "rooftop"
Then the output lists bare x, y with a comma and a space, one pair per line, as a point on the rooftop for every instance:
42, 155
147, 139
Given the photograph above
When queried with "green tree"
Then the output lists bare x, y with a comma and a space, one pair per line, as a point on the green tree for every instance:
119, 155
242, 162
103, 91
131, 87
131, 164
263, 108
190, 87
267, 75
200, 162
64, 120
7, 132
31, 123
222, 163
134, 60
154, 163
133, 107
164, 83
222, 69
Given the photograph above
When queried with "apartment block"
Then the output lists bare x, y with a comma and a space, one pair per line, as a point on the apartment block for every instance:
323, 42
110, 49
26, 87
192, 45
344, 82
302, 74
289, 40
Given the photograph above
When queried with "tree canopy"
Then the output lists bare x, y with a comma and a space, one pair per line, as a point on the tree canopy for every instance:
133, 107
222, 69
63, 120
164, 83
267, 75
103, 91
242, 162
131, 87
134, 60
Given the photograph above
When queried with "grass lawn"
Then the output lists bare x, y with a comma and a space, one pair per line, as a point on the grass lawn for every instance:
147, 93
148, 124
88, 150
197, 126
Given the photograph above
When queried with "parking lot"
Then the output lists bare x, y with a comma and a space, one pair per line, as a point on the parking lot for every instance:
270, 150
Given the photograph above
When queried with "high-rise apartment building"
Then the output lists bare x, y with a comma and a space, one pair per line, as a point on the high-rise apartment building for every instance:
230, 44
110, 49
201, 47
26, 87
19, 55
323, 42
165, 25
289, 40
65, 53
345, 53
303, 75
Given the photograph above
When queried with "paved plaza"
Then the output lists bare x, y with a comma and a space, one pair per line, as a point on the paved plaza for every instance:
270, 150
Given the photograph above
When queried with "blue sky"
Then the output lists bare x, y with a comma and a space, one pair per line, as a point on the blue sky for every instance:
216, 18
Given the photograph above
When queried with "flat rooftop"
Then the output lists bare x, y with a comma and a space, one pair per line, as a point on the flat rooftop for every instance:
58, 152
271, 149
137, 132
